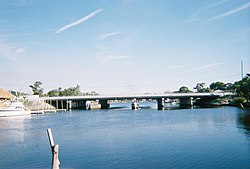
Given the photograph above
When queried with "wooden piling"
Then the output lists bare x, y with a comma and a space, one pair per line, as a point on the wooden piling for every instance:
56, 162
54, 150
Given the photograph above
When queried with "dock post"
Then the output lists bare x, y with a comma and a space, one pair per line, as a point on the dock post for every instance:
54, 150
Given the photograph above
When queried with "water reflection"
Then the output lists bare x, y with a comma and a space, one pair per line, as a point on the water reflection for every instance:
124, 138
13, 128
243, 121
153, 105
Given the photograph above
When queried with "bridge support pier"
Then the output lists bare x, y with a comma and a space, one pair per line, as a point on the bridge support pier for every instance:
68, 104
79, 104
104, 104
186, 101
204, 101
160, 104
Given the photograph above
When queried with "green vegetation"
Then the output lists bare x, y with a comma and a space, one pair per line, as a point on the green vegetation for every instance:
15, 93
240, 88
184, 89
36, 88
218, 86
72, 91
222, 86
201, 88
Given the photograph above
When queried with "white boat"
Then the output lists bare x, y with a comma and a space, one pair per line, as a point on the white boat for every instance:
135, 105
14, 109
174, 102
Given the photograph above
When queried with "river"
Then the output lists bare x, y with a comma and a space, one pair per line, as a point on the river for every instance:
123, 138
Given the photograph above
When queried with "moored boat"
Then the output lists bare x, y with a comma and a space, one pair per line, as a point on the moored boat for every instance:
14, 109
135, 105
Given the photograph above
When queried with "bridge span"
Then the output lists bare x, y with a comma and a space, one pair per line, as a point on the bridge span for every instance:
103, 102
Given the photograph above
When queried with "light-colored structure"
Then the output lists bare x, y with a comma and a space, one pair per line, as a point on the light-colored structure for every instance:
186, 99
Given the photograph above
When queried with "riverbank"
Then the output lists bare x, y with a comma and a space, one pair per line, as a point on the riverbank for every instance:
235, 102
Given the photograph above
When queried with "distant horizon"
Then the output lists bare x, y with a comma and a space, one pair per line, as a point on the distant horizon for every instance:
122, 47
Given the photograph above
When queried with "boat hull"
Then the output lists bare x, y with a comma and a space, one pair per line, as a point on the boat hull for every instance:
9, 113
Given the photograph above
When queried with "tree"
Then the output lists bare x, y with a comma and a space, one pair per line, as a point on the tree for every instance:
36, 88
16, 93
230, 87
53, 93
201, 88
72, 91
184, 89
60, 91
243, 87
218, 86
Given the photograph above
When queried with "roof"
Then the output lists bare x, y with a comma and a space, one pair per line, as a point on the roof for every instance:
5, 94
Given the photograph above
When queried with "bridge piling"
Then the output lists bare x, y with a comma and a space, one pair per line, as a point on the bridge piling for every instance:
78, 102
104, 104
186, 101
160, 104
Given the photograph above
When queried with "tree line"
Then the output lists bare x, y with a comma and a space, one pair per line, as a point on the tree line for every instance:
72, 91
241, 88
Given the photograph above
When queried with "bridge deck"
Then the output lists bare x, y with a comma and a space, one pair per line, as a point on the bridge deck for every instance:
155, 96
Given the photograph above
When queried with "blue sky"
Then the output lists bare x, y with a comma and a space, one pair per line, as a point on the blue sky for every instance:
122, 46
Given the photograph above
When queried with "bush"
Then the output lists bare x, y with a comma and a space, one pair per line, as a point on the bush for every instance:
239, 100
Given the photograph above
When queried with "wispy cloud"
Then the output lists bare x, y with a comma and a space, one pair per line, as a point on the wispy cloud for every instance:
204, 67
196, 16
19, 51
190, 20
84, 19
9, 51
218, 3
106, 58
236, 10
108, 35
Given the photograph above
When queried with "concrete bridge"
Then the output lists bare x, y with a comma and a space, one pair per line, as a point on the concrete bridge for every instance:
103, 102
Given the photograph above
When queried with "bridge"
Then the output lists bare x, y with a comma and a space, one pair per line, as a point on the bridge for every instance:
103, 102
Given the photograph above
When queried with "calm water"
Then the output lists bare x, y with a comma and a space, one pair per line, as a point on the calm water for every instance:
123, 138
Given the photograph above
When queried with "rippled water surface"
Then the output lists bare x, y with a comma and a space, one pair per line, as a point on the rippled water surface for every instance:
124, 138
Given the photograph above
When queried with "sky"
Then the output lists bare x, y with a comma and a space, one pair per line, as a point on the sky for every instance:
122, 46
